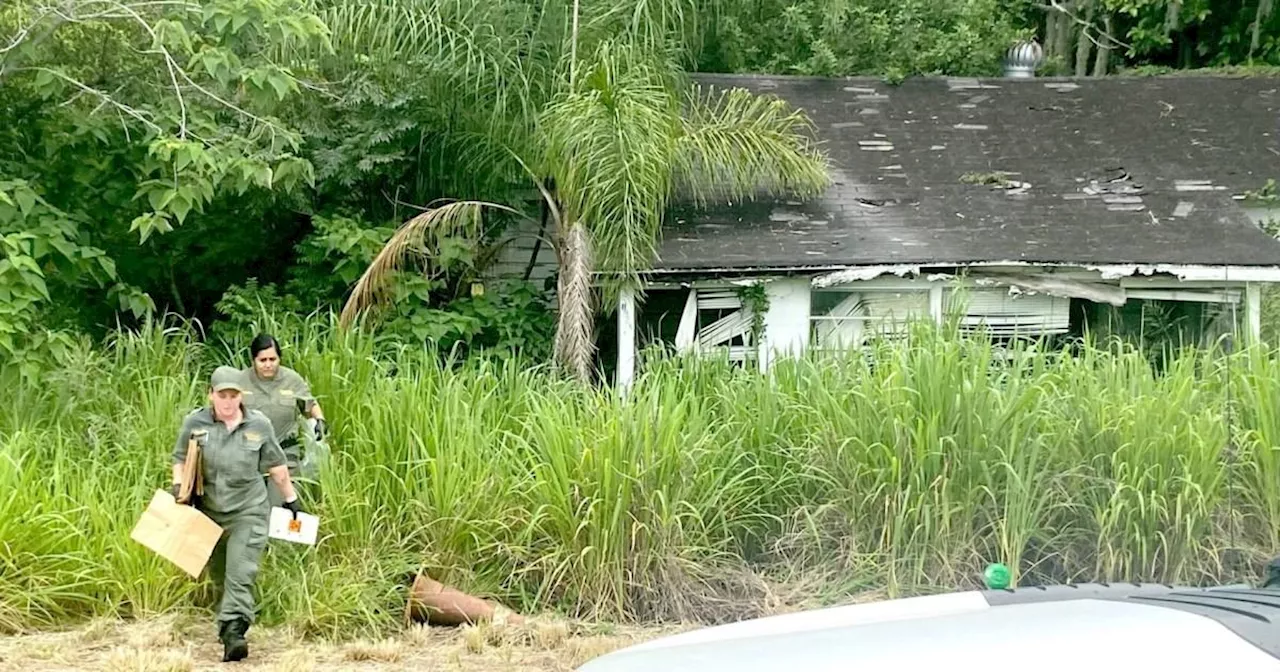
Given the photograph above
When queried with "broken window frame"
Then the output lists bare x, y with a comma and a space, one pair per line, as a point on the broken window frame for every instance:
888, 326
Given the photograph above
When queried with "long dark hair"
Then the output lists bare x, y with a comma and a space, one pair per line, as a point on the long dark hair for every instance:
263, 342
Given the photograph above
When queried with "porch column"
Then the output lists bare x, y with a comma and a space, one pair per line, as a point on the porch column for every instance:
935, 302
1253, 311
626, 338
786, 322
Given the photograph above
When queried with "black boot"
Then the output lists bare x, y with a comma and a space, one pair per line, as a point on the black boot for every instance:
234, 644
1272, 579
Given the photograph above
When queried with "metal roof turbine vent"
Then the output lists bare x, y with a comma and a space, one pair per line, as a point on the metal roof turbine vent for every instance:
1021, 61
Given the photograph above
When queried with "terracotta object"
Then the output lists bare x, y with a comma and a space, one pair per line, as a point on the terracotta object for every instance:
434, 603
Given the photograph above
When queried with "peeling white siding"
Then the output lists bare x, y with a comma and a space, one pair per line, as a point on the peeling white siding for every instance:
514, 257
786, 322
845, 309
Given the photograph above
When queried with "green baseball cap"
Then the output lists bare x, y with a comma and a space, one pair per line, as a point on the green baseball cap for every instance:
227, 378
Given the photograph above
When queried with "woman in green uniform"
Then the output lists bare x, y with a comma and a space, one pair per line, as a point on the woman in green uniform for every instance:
237, 446
281, 395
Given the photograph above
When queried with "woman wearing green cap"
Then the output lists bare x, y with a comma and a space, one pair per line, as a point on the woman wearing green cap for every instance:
237, 446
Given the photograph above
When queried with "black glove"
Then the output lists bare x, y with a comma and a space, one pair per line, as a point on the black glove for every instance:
176, 491
321, 429
293, 507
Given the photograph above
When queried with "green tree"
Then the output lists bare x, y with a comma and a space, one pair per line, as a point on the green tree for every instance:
130, 115
1097, 37
893, 38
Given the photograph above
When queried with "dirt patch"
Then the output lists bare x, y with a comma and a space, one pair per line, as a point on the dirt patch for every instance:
185, 643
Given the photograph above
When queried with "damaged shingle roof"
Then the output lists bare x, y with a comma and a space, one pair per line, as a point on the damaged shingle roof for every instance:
1120, 170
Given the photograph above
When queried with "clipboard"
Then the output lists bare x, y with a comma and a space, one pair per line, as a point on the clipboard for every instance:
301, 531
192, 474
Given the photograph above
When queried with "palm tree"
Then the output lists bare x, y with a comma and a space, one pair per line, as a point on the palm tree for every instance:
621, 141
608, 135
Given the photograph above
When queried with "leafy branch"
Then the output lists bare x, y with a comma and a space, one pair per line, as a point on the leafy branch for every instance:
756, 302
1087, 27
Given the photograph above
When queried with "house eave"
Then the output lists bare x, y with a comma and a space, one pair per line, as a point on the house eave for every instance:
836, 274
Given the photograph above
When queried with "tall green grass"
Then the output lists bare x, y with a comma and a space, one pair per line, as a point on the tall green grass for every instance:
907, 470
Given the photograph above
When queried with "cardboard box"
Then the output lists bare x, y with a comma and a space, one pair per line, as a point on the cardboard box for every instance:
178, 533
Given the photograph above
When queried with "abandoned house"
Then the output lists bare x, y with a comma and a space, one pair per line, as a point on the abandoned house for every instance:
1039, 201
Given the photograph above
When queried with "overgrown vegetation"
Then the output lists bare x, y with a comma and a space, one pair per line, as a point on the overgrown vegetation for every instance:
907, 471
214, 158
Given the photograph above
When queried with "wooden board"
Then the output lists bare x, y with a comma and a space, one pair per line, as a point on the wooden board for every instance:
177, 532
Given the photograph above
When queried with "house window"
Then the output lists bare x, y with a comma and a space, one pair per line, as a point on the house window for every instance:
851, 317
1002, 315
714, 321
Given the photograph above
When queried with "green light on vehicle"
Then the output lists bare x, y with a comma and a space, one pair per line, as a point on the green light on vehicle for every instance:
996, 576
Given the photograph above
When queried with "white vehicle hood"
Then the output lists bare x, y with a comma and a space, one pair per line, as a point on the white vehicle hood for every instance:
962, 631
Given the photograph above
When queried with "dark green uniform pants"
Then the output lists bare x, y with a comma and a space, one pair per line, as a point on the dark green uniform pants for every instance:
302, 487
293, 456
234, 564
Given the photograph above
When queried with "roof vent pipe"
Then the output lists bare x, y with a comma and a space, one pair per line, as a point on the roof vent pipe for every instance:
1021, 61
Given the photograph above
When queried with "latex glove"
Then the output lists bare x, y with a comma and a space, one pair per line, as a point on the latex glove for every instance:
293, 507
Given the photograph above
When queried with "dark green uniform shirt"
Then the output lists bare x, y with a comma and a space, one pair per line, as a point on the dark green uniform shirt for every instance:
233, 461
278, 399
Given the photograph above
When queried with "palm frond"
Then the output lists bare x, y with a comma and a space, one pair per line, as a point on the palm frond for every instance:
736, 144
460, 33
477, 159
454, 52
415, 239
609, 144
665, 27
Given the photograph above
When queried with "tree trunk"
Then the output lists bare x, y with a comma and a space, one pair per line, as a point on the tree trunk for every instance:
1262, 14
537, 243
1050, 34
1172, 17
575, 338
1186, 51
1104, 50
1084, 47
1066, 28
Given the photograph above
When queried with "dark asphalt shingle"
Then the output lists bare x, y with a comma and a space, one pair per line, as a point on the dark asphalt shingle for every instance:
900, 152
